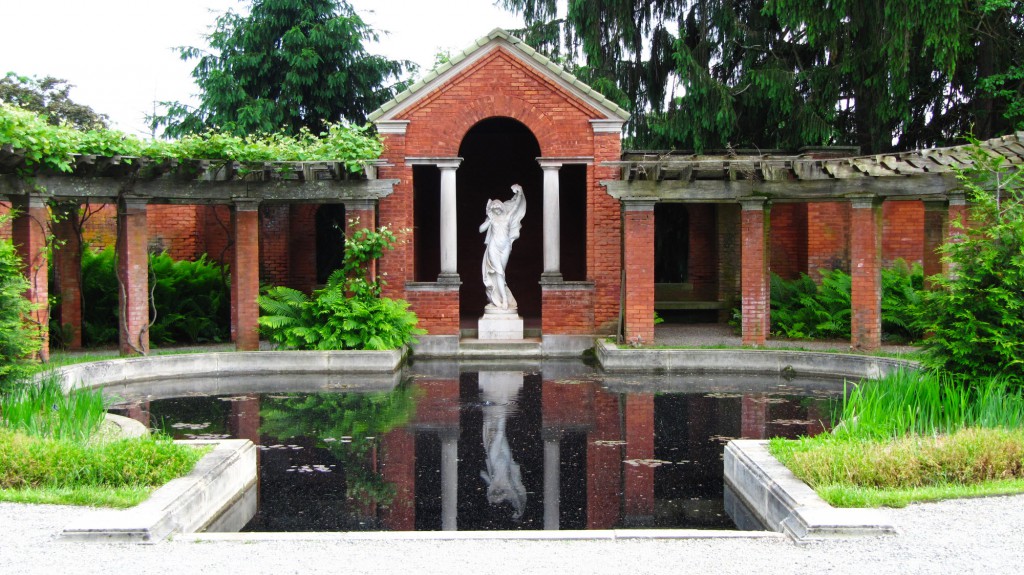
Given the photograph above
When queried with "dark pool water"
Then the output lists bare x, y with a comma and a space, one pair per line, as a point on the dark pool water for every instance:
553, 446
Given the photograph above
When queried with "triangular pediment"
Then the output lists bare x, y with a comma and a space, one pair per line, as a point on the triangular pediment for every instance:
498, 38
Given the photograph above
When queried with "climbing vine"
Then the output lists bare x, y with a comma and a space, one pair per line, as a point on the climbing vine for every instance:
43, 146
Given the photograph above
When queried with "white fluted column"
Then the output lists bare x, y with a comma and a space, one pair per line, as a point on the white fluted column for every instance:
449, 481
449, 224
552, 218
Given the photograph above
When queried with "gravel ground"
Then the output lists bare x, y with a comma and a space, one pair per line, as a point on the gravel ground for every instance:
962, 536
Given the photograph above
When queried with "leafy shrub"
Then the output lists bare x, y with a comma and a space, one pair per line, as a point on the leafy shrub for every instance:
976, 317
190, 297
18, 339
348, 313
801, 309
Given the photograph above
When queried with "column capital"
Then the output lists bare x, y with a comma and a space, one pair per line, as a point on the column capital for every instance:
245, 204
753, 203
864, 201
133, 203
556, 162
638, 204
392, 126
607, 126
363, 204
450, 163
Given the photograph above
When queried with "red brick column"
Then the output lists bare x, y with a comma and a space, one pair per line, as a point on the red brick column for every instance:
398, 467
604, 462
866, 272
639, 504
245, 276
68, 272
604, 226
755, 273
244, 420
133, 274
957, 223
28, 232
638, 237
936, 222
396, 210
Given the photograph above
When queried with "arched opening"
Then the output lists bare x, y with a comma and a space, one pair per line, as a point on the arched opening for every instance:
330, 240
497, 153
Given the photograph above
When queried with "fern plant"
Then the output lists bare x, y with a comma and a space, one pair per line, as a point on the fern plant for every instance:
348, 313
18, 339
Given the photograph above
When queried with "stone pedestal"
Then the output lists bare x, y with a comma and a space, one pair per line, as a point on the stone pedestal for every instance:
500, 324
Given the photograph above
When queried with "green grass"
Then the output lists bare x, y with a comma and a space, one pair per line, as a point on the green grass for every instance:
119, 473
915, 436
894, 472
42, 409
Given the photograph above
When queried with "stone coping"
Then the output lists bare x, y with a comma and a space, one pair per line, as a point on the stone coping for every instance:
752, 361
195, 365
184, 505
783, 503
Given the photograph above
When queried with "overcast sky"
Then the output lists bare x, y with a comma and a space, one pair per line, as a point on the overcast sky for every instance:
119, 56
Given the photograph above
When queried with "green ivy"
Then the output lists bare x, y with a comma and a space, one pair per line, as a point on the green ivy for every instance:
50, 147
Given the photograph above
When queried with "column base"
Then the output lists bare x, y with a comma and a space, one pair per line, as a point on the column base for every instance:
500, 324
449, 279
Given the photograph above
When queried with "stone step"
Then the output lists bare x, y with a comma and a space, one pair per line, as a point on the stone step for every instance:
500, 348
473, 333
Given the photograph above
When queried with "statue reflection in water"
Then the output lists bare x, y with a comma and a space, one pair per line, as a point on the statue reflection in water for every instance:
498, 391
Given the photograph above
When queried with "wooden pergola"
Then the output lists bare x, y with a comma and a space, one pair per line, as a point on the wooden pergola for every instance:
132, 184
757, 179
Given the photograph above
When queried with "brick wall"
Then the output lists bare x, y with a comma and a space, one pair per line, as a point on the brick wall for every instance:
789, 240
99, 226
437, 309
174, 229
215, 221
703, 262
568, 311
302, 247
5, 230
275, 231
828, 233
902, 232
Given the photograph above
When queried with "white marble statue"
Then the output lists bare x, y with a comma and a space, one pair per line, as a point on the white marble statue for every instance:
504, 220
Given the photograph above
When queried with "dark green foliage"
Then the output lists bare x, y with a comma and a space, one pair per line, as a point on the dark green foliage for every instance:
18, 339
285, 65
879, 74
50, 97
190, 298
802, 309
976, 317
348, 313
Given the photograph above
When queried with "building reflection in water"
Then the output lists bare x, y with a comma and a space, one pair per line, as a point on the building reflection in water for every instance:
505, 450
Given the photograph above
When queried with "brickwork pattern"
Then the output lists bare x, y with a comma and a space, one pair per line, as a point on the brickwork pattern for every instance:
936, 228
398, 467
866, 289
99, 226
5, 230
567, 311
28, 233
755, 278
275, 231
604, 464
302, 247
174, 229
567, 406
67, 276
703, 262
438, 311
639, 238
215, 222
729, 258
789, 240
753, 416
902, 232
133, 267
245, 281
828, 232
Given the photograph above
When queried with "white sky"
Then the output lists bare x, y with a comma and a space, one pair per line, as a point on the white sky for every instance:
118, 53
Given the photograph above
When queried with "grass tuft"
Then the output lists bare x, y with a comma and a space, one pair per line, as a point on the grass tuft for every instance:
43, 409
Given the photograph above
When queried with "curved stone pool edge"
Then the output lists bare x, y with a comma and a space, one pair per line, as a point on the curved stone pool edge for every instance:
785, 504
765, 361
778, 499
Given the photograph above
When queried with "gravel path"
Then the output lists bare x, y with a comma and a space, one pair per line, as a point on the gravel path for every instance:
961, 536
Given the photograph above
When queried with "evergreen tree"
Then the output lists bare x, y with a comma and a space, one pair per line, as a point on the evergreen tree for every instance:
788, 73
286, 65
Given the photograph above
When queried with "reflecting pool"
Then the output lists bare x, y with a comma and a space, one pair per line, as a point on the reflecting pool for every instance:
554, 445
